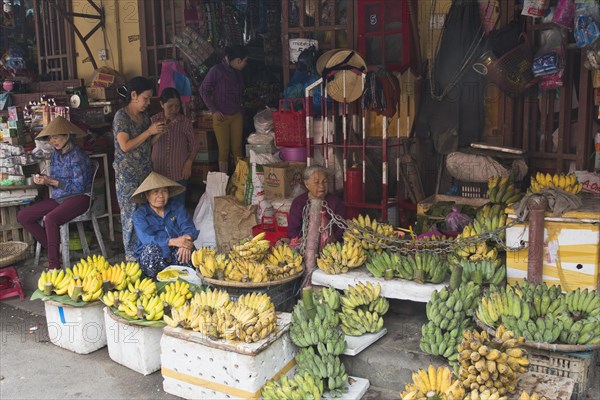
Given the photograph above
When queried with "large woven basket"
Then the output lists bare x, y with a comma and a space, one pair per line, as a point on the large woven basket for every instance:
11, 252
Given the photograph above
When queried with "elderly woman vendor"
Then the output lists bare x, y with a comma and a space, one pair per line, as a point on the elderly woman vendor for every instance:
164, 229
316, 181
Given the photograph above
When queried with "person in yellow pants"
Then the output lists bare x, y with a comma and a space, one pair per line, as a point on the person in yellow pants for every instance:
221, 90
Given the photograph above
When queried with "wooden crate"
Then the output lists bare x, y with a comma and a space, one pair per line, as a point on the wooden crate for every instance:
10, 229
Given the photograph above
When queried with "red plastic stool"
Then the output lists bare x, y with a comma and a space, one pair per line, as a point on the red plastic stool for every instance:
10, 284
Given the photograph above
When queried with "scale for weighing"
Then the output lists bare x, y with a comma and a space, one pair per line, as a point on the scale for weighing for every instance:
78, 97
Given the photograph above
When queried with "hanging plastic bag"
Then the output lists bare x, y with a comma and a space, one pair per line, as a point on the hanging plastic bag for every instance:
564, 13
586, 24
456, 221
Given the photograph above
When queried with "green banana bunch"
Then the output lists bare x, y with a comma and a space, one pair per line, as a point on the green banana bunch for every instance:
330, 296
362, 309
327, 367
503, 191
439, 342
389, 265
486, 271
427, 267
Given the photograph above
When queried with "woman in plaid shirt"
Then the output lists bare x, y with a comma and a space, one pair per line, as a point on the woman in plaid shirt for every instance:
175, 150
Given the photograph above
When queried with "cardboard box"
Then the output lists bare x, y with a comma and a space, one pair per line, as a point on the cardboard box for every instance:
206, 139
280, 178
101, 93
590, 181
104, 77
200, 171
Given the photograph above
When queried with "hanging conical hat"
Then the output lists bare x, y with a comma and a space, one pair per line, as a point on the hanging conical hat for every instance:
155, 181
323, 58
61, 126
343, 80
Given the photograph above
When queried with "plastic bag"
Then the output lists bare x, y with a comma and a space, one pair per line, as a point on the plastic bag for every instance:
456, 221
534, 8
586, 24
263, 121
216, 182
564, 13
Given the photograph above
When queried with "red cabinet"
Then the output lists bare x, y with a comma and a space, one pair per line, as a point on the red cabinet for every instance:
384, 34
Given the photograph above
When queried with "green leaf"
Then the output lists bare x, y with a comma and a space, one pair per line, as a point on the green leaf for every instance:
65, 299
140, 322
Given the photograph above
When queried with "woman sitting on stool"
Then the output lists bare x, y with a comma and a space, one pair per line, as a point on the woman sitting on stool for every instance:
165, 231
70, 179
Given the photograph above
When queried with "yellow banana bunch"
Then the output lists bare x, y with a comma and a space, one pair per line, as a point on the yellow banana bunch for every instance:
245, 270
84, 268
130, 309
568, 183
145, 287
283, 261
254, 249
490, 365
173, 299
207, 265
534, 396
150, 307
336, 258
116, 276
92, 288
180, 287
261, 302
115, 297
433, 383
132, 269
198, 256
212, 298
55, 280
75, 288
369, 233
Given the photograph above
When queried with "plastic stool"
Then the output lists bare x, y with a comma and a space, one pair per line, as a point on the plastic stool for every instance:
10, 284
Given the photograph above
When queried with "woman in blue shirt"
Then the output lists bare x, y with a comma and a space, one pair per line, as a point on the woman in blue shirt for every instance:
70, 179
165, 231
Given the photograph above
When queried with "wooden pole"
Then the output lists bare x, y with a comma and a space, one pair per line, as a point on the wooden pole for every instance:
312, 240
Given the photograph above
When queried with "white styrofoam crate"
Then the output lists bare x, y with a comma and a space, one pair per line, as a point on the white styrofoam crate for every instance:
79, 329
134, 346
356, 344
196, 367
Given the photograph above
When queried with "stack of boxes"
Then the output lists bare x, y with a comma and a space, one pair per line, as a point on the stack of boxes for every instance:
13, 130
206, 159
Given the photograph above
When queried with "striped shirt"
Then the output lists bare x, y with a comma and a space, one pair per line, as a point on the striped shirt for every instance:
174, 147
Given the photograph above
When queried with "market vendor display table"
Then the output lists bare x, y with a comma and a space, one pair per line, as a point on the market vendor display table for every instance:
571, 247
393, 289
12, 199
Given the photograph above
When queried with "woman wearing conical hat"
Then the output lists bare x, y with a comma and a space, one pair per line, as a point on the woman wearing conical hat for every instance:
70, 179
165, 231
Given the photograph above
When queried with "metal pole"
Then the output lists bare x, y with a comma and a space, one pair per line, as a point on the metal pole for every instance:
537, 207
312, 240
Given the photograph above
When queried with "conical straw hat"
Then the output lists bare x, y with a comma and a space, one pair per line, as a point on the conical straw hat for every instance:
61, 126
155, 181
343, 80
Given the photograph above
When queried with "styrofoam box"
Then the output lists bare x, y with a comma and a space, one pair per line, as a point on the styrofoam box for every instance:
79, 329
134, 346
196, 367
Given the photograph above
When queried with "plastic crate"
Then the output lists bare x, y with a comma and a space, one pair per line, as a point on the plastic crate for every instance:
270, 225
476, 190
579, 366
283, 295
289, 123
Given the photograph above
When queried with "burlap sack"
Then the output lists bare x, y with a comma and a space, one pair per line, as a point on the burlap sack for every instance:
233, 222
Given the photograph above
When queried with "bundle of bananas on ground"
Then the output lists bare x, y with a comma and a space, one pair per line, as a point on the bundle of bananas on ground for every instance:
114, 278
283, 261
299, 387
150, 308
389, 265
447, 313
328, 368
491, 364
337, 258
363, 308
568, 183
55, 280
534, 396
114, 298
433, 384
503, 191
254, 249
370, 234
483, 272
199, 255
